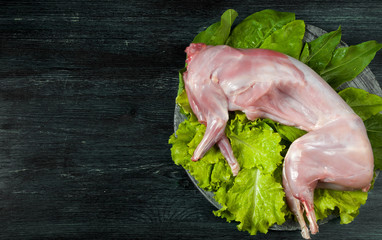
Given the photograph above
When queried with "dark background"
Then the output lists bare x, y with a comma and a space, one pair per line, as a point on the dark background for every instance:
87, 93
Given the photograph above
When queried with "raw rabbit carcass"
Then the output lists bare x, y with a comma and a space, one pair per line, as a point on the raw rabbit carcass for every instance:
334, 154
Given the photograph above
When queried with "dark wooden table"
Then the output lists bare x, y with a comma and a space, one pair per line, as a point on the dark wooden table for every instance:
87, 94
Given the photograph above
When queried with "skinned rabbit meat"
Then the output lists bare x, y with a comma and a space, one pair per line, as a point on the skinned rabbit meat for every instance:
334, 154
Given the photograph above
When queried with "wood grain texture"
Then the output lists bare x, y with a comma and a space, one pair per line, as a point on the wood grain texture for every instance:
87, 94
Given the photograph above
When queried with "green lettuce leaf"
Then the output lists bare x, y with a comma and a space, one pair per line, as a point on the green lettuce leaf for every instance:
217, 33
252, 31
181, 81
179, 140
287, 40
374, 131
363, 103
348, 62
318, 53
257, 148
287, 133
221, 174
256, 200
184, 104
255, 197
184, 143
346, 204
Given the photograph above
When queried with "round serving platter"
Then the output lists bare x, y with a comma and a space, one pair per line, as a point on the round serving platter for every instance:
365, 80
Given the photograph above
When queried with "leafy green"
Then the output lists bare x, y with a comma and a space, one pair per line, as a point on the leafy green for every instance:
185, 108
221, 174
257, 143
253, 30
374, 131
180, 149
184, 142
348, 62
332, 202
318, 53
256, 200
363, 103
181, 81
217, 33
287, 40
255, 185
288, 133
